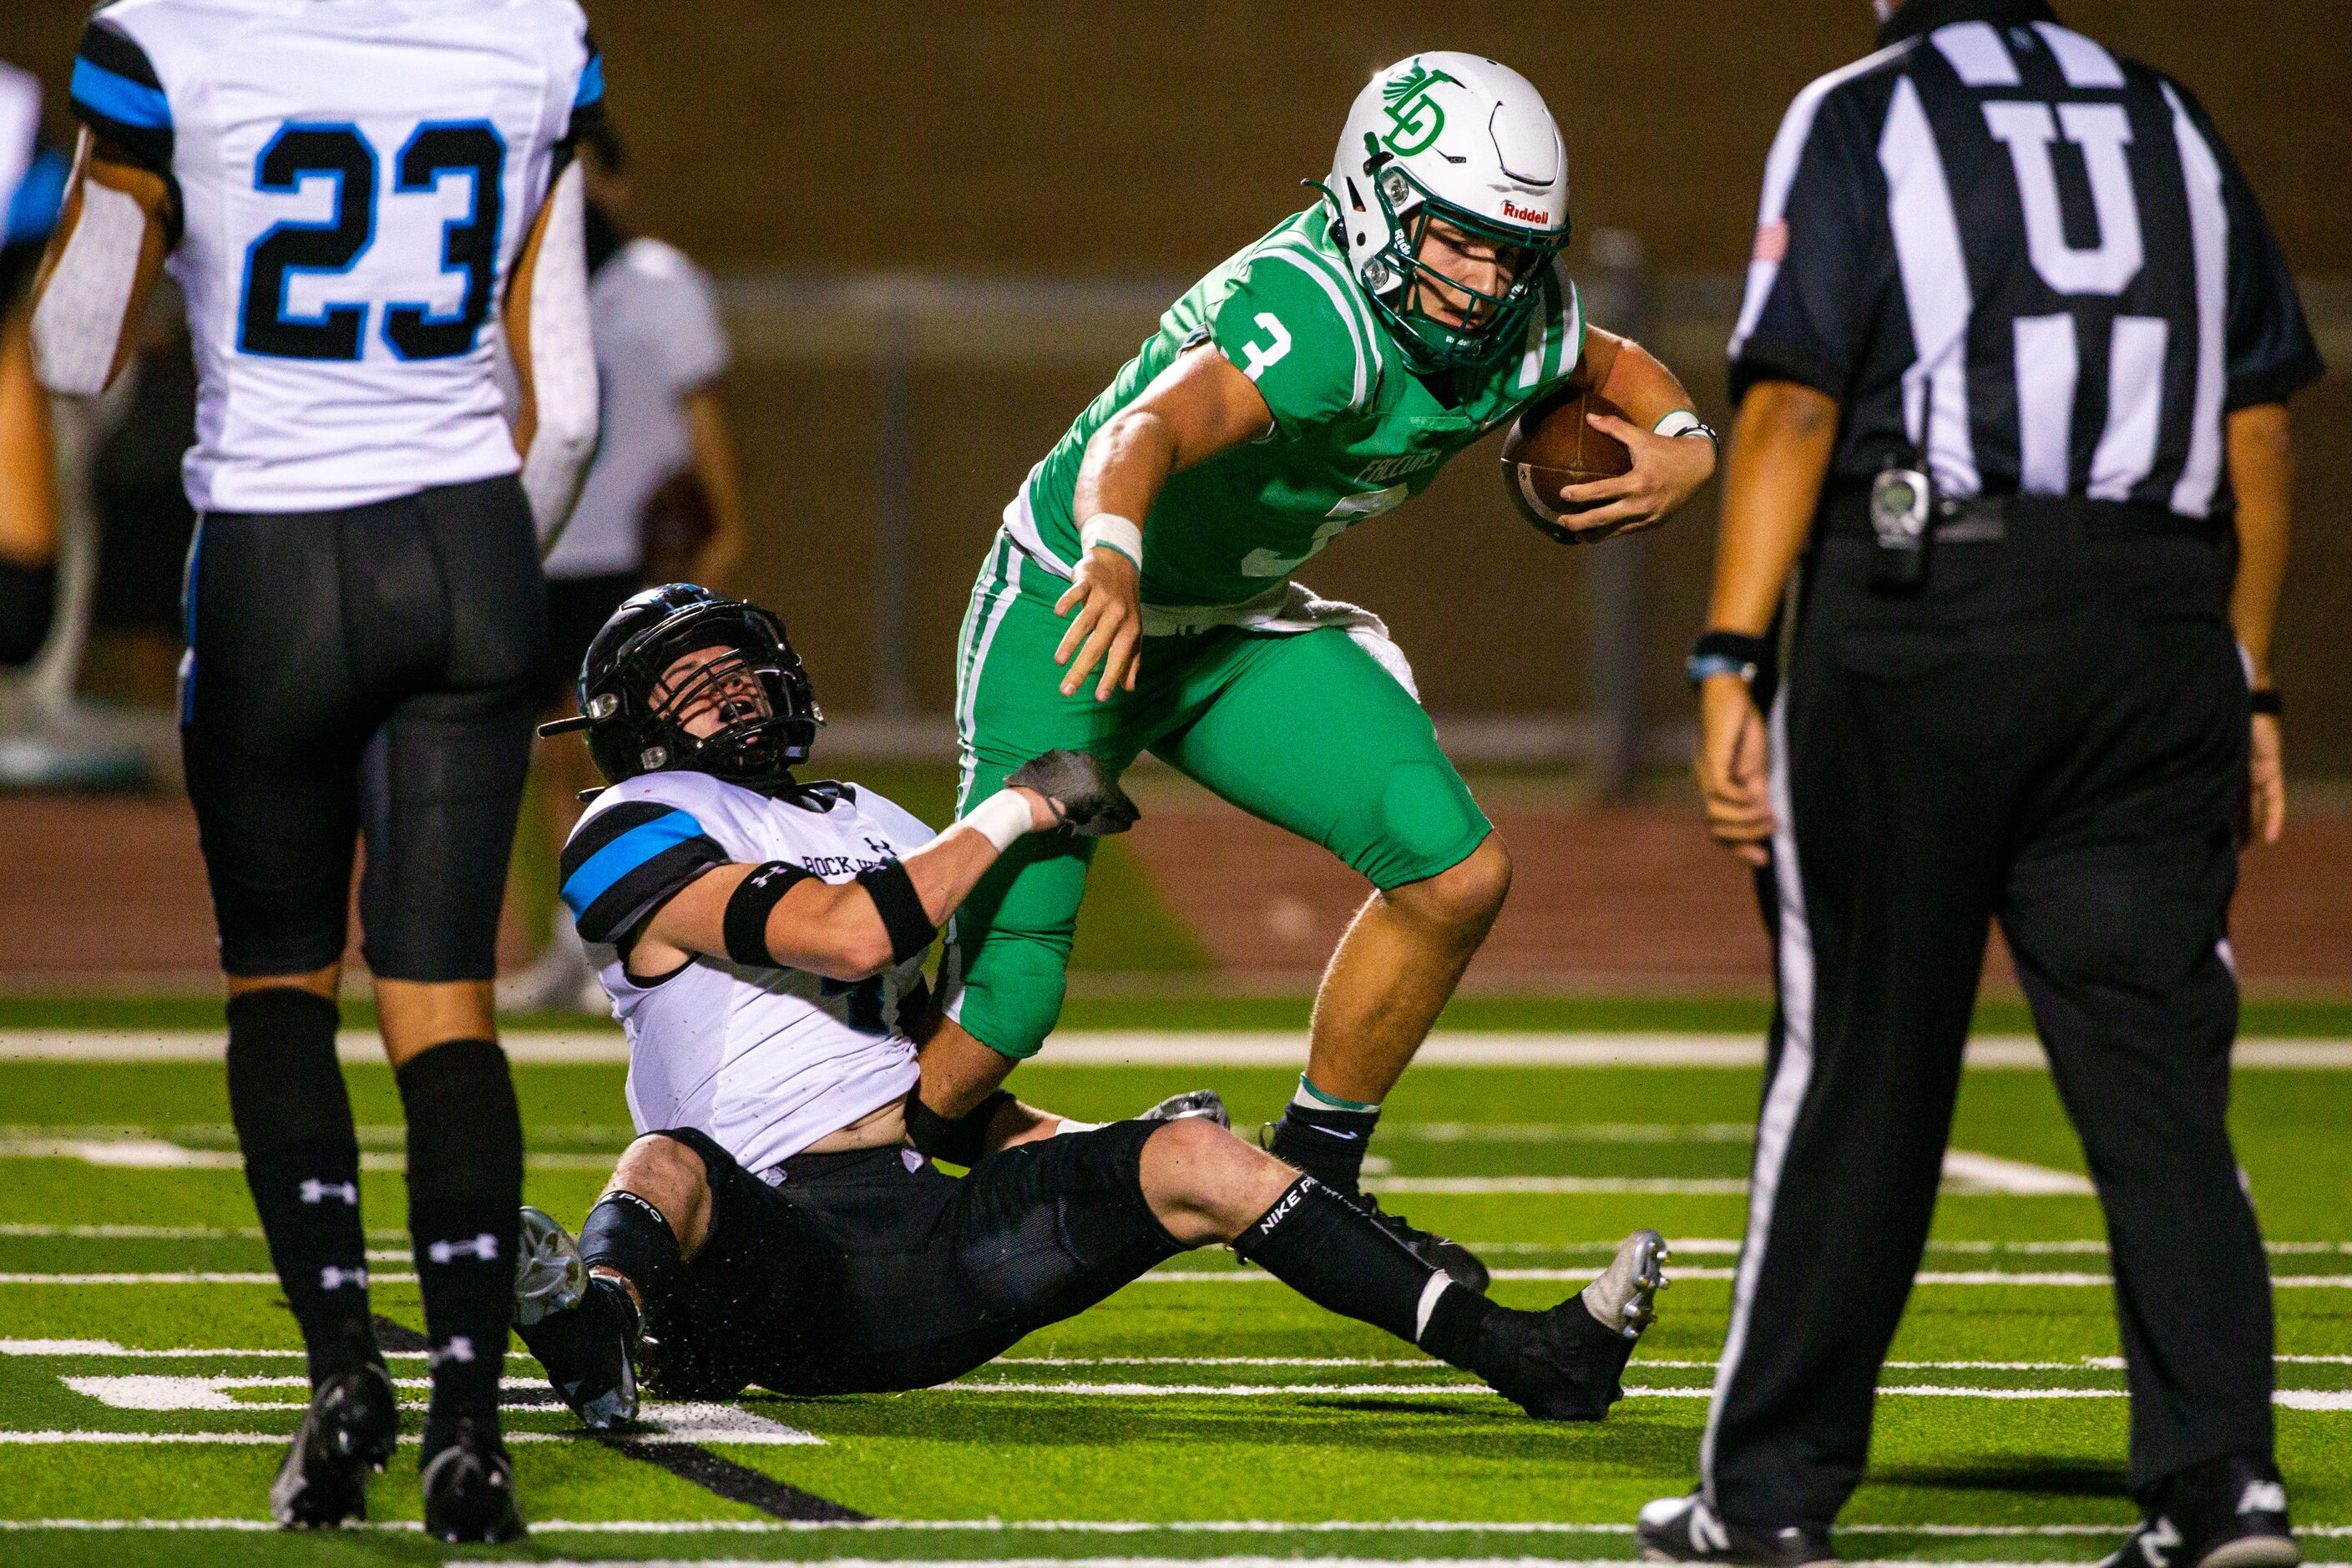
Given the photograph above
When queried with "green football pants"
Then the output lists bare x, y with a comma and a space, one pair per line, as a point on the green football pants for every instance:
1306, 731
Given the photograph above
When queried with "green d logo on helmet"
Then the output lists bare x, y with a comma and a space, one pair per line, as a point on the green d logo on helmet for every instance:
1459, 140
1416, 113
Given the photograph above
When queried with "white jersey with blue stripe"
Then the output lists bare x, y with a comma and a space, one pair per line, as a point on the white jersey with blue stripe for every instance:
764, 1060
355, 180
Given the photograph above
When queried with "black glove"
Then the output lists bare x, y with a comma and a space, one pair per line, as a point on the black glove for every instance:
1087, 800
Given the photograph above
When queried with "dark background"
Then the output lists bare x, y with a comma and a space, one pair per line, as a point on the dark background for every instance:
1134, 141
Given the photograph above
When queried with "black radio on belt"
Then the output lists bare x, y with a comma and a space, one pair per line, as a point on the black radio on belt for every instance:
1902, 517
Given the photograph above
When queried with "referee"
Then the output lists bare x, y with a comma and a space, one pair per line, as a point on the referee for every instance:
2011, 370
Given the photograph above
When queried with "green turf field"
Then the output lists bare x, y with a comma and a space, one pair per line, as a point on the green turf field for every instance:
1202, 1413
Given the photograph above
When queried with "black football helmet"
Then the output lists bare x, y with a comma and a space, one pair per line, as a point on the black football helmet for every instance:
633, 720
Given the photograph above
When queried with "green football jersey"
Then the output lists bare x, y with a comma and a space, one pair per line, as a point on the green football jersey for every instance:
1356, 431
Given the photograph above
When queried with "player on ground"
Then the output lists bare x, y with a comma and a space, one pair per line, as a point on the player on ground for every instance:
1139, 596
347, 194
762, 940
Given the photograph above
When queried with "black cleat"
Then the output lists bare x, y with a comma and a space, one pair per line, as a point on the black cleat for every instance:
1460, 1264
582, 1329
348, 1434
1205, 1103
2229, 1513
1685, 1530
469, 1489
1564, 1364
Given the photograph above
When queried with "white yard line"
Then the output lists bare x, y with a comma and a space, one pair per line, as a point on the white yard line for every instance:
1208, 1276
1149, 1048
1965, 1171
1111, 1527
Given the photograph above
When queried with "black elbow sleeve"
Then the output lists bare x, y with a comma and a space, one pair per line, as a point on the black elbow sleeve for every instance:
901, 909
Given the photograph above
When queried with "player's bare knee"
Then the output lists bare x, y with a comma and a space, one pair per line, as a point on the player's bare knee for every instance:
1205, 1185
1466, 896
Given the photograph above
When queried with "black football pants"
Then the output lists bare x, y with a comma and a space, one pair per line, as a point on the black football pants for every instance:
2054, 735
366, 672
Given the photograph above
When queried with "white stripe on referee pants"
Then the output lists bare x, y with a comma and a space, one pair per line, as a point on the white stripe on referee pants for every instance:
1791, 1079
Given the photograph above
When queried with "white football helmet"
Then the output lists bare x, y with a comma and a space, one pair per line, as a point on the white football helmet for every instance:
1462, 138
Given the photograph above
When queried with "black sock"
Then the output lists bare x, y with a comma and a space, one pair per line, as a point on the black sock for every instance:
1325, 1142
293, 1119
628, 1234
1332, 1253
464, 1197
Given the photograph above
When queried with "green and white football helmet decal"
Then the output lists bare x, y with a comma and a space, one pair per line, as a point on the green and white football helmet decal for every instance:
1459, 138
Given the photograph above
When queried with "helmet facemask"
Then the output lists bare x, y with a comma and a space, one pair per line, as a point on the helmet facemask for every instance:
737, 701
1396, 274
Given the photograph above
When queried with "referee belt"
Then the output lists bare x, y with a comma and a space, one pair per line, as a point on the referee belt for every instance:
1987, 520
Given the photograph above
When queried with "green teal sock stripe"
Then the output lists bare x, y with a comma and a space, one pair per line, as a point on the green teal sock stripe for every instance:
1333, 1101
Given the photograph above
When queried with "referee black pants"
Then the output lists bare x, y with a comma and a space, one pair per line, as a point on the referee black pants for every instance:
2052, 734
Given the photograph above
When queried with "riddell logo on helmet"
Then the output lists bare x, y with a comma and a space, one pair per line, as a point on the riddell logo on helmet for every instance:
1525, 215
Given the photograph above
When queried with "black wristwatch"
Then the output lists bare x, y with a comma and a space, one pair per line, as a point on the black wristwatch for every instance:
2265, 700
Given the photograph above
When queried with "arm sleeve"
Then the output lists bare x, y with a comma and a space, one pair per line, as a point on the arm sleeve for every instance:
625, 862
1296, 329
1802, 316
2269, 346
563, 353
118, 95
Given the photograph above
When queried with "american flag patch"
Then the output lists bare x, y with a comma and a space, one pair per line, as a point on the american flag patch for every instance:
1772, 241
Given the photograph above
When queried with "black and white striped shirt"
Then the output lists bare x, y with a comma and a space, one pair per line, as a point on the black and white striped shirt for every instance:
1998, 244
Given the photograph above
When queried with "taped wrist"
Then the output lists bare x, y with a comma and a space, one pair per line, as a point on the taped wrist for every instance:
745, 926
960, 1140
901, 909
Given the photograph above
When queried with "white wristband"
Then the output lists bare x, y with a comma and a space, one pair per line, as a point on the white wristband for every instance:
1681, 422
1108, 530
1002, 819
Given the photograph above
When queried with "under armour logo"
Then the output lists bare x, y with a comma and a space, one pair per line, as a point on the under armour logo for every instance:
2158, 1539
2263, 1496
484, 1247
315, 1191
334, 1278
459, 1348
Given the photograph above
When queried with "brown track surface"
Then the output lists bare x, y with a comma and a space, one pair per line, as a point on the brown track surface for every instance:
1636, 897
1623, 899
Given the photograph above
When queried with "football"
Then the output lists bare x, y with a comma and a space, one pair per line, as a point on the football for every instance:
1550, 444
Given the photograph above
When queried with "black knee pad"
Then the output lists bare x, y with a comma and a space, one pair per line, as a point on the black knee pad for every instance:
465, 1129
284, 1087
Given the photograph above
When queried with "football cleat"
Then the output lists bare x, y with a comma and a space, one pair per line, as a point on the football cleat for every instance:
1564, 1364
469, 1489
1625, 1297
1685, 1530
348, 1433
1205, 1103
2229, 1513
582, 1328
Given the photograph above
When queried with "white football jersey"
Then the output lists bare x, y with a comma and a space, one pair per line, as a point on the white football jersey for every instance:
355, 178
766, 1061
